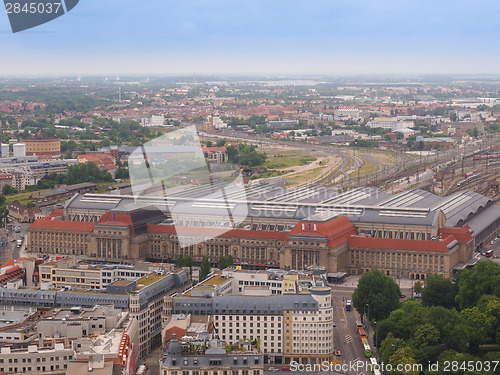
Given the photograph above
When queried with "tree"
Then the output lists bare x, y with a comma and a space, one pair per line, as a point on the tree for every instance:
403, 356
483, 279
388, 347
220, 143
426, 335
188, 261
490, 305
8, 190
439, 291
379, 292
222, 262
122, 173
461, 359
209, 143
248, 156
180, 261
4, 215
205, 268
2, 199
477, 326
418, 287
232, 154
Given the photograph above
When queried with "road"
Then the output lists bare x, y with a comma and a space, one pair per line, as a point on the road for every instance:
10, 250
345, 337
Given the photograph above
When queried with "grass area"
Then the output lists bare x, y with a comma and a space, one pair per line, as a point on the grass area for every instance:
366, 169
148, 280
307, 176
383, 157
23, 198
281, 161
217, 280
270, 173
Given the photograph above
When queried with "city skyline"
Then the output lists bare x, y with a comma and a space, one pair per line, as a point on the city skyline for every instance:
222, 37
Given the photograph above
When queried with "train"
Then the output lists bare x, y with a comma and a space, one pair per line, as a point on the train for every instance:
468, 178
487, 157
364, 341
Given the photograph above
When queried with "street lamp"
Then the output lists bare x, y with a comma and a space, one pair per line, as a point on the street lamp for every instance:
368, 307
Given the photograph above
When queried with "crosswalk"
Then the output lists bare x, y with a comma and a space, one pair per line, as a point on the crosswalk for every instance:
348, 339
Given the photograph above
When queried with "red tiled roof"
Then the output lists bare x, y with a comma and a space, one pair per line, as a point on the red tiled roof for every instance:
120, 219
336, 230
10, 262
57, 212
396, 244
238, 233
462, 234
63, 225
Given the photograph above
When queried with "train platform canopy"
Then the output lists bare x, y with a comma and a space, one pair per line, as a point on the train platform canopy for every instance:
485, 224
458, 208
263, 200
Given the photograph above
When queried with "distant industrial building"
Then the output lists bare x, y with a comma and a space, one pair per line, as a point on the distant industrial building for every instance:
43, 147
282, 124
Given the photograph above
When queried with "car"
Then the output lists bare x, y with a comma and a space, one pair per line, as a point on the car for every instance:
402, 296
273, 369
285, 369
334, 324
338, 353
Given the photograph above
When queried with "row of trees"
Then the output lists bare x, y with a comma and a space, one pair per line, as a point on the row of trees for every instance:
454, 321
187, 261
245, 155
85, 172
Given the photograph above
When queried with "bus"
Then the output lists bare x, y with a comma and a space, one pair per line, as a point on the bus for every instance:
348, 305
358, 326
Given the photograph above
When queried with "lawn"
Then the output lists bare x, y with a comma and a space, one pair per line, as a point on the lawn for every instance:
288, 160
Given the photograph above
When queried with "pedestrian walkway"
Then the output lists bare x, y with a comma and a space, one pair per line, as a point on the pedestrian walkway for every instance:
352, 282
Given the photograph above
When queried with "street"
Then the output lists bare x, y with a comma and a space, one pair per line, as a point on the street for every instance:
10, 250
345, 337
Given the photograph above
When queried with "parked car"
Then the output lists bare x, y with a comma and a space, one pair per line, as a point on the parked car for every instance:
285, 369
273, 369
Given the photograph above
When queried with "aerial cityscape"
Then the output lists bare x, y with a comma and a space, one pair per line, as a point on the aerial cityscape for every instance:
230, 193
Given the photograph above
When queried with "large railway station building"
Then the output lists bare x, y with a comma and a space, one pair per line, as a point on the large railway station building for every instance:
411, 234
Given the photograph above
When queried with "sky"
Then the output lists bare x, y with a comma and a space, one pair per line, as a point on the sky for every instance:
313, 37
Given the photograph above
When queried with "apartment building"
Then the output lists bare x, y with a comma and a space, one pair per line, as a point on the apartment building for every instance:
243, 359
69, 272
36, 359
143, 298
290, 327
